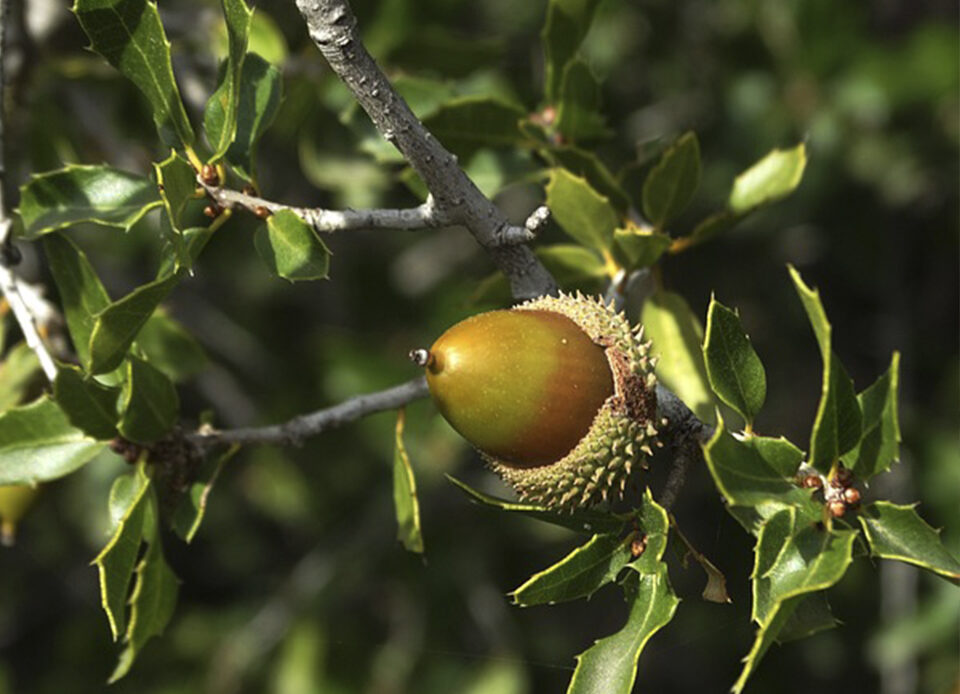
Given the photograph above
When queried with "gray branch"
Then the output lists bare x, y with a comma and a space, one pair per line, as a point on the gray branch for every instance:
686, 433
294, 431
333, 27
426, 216
9, 255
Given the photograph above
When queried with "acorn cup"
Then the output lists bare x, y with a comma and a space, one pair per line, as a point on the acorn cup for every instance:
558, 394
15, 501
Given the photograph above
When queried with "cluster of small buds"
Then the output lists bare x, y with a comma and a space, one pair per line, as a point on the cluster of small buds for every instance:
209, 175
839, 492
638, 546
128, 450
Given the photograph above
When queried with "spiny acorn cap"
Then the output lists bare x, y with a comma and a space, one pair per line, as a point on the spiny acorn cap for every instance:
558, 394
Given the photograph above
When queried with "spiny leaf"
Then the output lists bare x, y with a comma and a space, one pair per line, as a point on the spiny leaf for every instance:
733, 367
879, 445
581, 211
129, 34
898, 532
77, 194
220, 114
670, 185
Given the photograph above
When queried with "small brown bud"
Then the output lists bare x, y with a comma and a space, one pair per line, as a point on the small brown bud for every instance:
843, 477
212, 211
261, 211
208, 174
118, 445
638, 546
837, 508
851, 495
812, 482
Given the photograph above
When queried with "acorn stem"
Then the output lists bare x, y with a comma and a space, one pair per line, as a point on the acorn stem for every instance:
421, 357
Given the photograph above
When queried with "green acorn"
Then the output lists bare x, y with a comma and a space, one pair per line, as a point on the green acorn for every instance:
558, 394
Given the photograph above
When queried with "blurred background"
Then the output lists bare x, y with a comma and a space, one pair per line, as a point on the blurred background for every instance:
296, 583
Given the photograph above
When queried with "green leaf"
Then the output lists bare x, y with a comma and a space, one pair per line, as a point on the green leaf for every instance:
713, 225
670, 185
405, 501
677, 334
116, 326
129, 34
837, 426
18, 370
261, 90
567, 24
570, 264
879, 445
638, 248
578, 575
153, 599
581, 211
897, 532
467, 123
610, 665
746, 478
733, 367
653, 522
90, 406
811, 615
186, 246
220, 114
190, 511
291, 248
587, 165
169, 347
580, 521
793, 559
82, 296
128, 501
38, 443
176, 181
773, 177
148, 404
76, 194
578, 112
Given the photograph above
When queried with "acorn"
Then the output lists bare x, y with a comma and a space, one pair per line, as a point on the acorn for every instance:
15, 501
558, 394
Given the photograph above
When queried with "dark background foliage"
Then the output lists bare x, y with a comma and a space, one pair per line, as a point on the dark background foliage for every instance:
296, 583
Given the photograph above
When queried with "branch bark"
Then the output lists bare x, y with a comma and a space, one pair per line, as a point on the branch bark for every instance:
686, 433
294, 431
333, 28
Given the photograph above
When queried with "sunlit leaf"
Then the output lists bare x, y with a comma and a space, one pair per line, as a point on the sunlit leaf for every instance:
581, 211
19, 369
773, 177
638, 248
405, 501
733, 367
879, 445
291, 248
897, 532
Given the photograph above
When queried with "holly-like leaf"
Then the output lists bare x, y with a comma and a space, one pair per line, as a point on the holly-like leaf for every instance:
811, 615
116, 326
176, 181
578, 112
898, 532
128, 501
578, 575
837, 426
746, 478
77, 194
90, 406
653, 525
169, 347
261, 89
570, 264
82, 296
581, 211
153, 599
879, 445
148, 403
580, 521
467, 123
610, 665
129, 34
291, 248
676, 333
670, 185
567, 24
192, 507
405, 501
638, 248
220, 114
775, 176
733, 367
793, 559
38, 443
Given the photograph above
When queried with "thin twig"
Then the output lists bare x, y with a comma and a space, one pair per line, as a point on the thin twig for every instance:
686, 433
10, 255
294, 431
333, 27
